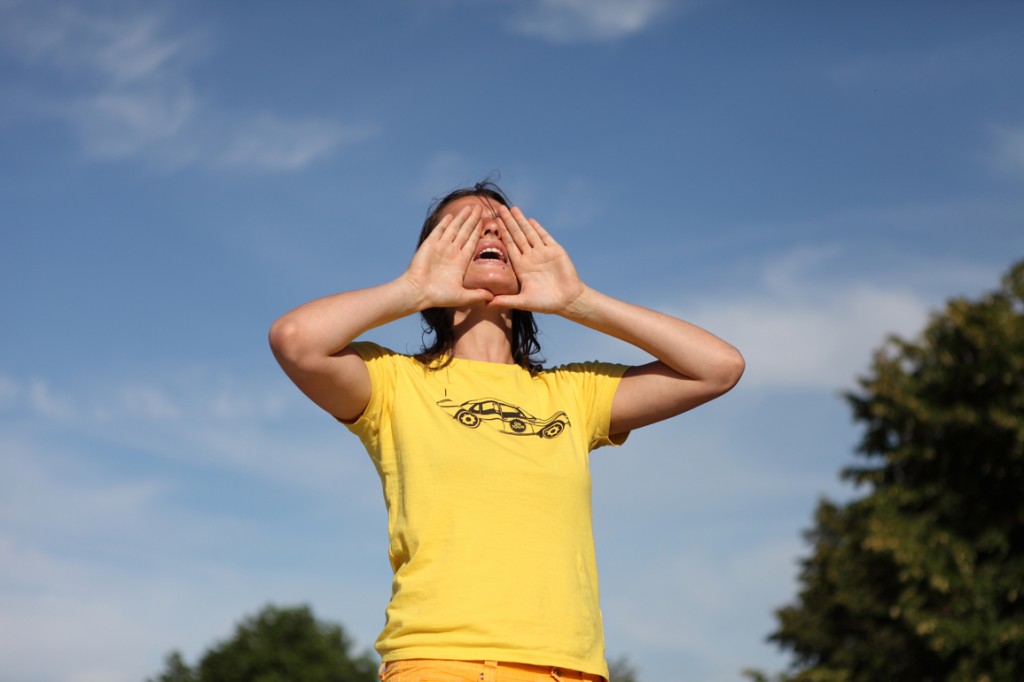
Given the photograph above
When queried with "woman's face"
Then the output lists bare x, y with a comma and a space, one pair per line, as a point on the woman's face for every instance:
490, 267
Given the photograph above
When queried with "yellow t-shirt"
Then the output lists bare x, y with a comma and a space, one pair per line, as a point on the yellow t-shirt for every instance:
485, 470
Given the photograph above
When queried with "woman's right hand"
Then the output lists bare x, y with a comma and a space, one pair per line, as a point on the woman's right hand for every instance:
438, 268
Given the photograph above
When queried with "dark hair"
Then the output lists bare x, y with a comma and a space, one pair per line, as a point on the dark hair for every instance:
438, 321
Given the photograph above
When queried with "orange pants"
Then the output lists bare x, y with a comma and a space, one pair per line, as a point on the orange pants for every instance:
431, 670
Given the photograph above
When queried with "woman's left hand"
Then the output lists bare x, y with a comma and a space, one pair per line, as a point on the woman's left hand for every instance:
548, 282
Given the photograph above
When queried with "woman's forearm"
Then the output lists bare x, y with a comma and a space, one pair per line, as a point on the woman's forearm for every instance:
327, 325
686, 349
434, 278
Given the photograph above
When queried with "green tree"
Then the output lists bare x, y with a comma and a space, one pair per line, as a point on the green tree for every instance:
277, 645
175, 670
922, 577
621, 670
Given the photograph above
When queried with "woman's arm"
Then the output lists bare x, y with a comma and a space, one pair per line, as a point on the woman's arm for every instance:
692, 365
311, 342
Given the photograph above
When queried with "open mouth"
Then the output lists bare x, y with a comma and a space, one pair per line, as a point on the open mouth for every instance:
491, 253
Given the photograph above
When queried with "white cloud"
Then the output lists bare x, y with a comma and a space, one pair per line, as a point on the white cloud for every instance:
575, 21
134, 50
71, 619
69, 638
43, 400
268, 142
103, 622
118, 48
805, 328
129, 94
149, 120
105, 567
801, 325
44, 491
27, 566
795, 342
812, 317
202, 419
147, 401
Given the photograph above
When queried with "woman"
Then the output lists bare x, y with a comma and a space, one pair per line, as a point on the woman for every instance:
483, 455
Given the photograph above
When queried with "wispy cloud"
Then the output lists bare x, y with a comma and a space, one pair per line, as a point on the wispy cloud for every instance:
96, 556
123, 85
806, 326
47, 492
800, 325
578, 21
44, 401
87, 562
269, 142
804, 330
119, 48
195, 419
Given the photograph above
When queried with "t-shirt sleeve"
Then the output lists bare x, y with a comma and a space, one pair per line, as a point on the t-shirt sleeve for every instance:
594, 385
380, 363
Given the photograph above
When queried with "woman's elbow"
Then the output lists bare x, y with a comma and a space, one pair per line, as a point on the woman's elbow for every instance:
730, 370
285, 339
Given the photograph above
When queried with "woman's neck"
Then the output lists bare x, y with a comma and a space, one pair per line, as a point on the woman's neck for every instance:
483, 334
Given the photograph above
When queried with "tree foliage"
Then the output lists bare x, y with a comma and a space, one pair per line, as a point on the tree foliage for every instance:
921, 578
621, 670
290, 645
277, 645
175, 670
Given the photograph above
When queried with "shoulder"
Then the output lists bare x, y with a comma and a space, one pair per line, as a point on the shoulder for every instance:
368, 350
593, 368
384, 363
372, 352
590, 380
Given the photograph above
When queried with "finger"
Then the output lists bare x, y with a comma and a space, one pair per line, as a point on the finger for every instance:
513, 229
507, 301
468, 235
531, 233
468, 215
452, 227
439, 229
511, 247
477, 296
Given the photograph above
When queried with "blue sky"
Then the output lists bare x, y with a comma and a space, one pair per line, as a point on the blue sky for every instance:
801, 178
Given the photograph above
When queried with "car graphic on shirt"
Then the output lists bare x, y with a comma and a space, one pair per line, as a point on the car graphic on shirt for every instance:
505, 417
